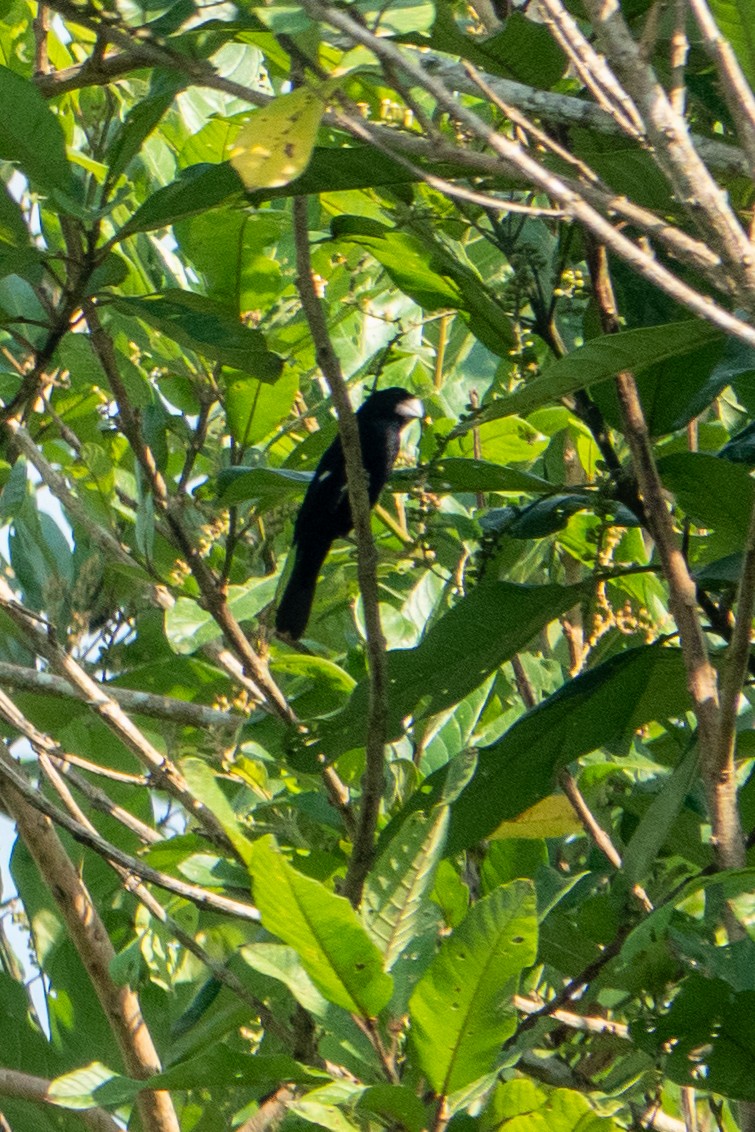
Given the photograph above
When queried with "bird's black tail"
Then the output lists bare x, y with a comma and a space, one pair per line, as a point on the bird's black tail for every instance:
296, 603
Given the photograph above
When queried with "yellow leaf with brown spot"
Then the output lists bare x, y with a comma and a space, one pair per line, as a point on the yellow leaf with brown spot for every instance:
275, 145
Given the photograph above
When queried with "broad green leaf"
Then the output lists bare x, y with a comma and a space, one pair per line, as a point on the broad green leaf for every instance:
399, 16
77, 1090
611, 700
454, 473
521, 1104
425, 271
227, 1067
31, 135
712, 492
326, 688
395, 1103
203, 783
323, 928
266, 486
526, 51
673, 391
468, 643
550, 817
283, 963
461, 1010
276, 144
602, 358
203, 325
142, 119
401, 879
255, 408
188, 626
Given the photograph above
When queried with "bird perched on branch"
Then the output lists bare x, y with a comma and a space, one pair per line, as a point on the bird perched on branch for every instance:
325, 513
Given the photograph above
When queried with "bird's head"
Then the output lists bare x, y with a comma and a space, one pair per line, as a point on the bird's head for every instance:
393, 404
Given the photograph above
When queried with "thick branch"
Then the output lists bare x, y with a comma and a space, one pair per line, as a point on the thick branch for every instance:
24, 1087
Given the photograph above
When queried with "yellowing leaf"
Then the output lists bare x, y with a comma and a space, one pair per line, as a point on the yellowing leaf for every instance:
551, 817
276, 143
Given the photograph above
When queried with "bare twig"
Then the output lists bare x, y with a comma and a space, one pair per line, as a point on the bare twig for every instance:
674, 152
701, 677
211, 588
530, 168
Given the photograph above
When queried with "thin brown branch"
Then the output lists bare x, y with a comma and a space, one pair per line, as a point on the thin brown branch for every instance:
693, 184
143, 703
526, 164
736, 661
134, 885
12, 777
47, 747
679, 49
596, 76
211, 588
373, 782
85, 928
165, 774
701, 676
596, 832
736, 89
25, 1087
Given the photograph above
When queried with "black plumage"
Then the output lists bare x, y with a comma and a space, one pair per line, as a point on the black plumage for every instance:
325, 513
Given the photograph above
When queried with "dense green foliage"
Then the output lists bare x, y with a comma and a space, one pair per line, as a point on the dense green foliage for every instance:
155, 350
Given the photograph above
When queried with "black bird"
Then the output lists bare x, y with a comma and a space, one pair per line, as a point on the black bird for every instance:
325, 513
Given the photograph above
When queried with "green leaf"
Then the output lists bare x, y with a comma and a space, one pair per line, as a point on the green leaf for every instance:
211, 329
706, 1038
265, 486
736, 21
142, 119
468, 643
526, 51
255, 408
647, 839
204, 785
198, 188
611, 700
602, 358
396, 18
401, 879
188, 626
221, 1065
323, 928
713, 493
429, 275
30, 134
453, 473
461, 1010
520, 1104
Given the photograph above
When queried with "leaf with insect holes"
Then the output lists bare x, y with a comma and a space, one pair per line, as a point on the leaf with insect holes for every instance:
276, 143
